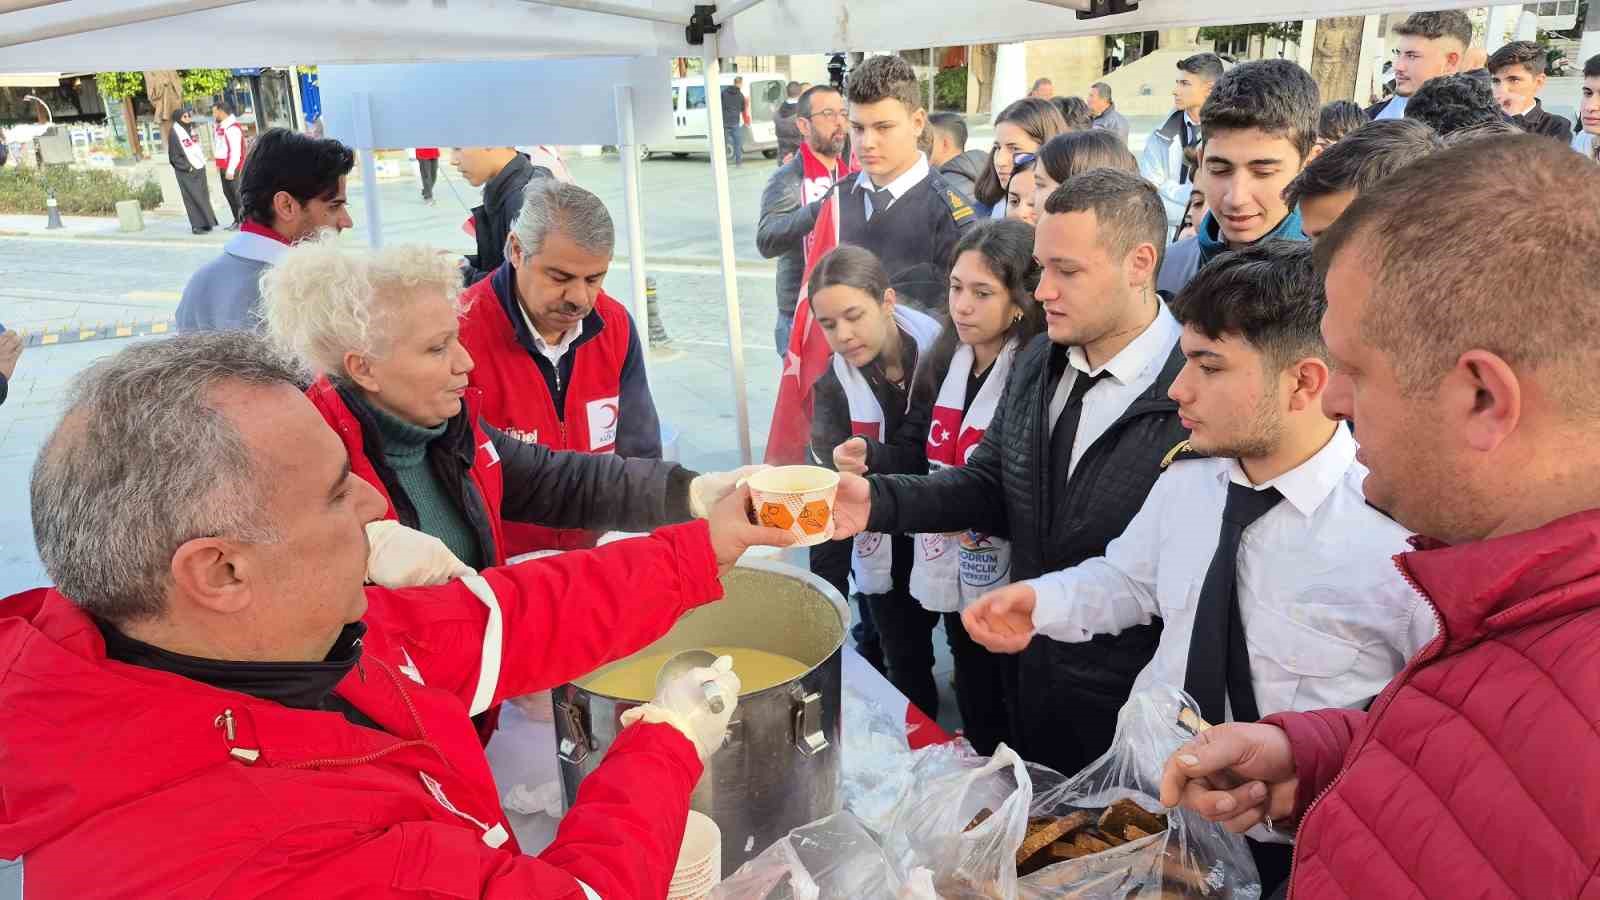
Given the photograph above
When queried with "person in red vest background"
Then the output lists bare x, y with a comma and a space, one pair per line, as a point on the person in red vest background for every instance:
558, 361
228, 147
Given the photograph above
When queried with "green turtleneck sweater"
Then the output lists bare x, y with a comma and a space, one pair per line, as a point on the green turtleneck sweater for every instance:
405, 449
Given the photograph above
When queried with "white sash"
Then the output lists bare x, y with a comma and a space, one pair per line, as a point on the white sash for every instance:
872, 562
952, 570
191, 147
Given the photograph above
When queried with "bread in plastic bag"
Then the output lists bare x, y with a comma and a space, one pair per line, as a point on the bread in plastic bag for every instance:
835, 857
1189, 858
937, 827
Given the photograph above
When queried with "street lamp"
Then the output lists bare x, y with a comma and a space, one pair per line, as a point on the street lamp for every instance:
52, 211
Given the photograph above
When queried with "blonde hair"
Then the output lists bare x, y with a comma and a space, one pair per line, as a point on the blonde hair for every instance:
320, 302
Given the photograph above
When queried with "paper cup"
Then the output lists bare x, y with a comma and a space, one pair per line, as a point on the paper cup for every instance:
796, 498
699, 859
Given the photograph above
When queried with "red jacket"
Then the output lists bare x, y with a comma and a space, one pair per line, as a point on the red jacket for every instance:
1475, 772
484, 474
606, 407
118, 780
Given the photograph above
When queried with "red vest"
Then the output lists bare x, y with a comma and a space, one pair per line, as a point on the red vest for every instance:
516, 398
484, 476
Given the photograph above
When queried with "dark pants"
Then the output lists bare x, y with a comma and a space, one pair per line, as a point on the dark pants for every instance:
736, 141
980, 688
1272, 864
906, 631
1054, 728
230, 190
429, 170
781, 333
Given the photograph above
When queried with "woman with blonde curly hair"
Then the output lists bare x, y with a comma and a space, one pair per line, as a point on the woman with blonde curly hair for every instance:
379, 329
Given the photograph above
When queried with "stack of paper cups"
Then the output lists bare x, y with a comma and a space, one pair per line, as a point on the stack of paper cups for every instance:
699, 860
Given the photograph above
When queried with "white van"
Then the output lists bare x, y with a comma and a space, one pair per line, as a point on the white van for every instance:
766, 91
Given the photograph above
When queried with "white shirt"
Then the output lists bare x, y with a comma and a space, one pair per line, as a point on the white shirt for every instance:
1133, 370
1584, 142
554, 354
1327, 616
897, 188
1395, 110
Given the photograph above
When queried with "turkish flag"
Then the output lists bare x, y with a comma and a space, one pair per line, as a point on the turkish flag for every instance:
790, 435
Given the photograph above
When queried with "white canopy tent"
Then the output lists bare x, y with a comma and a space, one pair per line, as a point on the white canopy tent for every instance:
594, 49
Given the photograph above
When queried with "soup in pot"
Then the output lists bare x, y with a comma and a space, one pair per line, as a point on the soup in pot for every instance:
635, 678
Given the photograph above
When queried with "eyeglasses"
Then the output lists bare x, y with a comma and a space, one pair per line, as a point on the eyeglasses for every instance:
828, 115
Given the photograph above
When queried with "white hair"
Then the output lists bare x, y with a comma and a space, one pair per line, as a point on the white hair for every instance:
320, 302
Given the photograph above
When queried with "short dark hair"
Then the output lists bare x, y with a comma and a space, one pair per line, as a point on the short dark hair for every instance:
1591, 68
1126, 206
1268, 293
883, 78
1066, 156
226, 106
810, 92
1103, 89
738, 79
1365, 157
1275, 96
304, 167
1526, 54
1450, 103
1206, 65
1074, 112
1450, 23
851, 266
793, 90
1439, 290
1338, 119
951, 125
1038, 82
1478, 132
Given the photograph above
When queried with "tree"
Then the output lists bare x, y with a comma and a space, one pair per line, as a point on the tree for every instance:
1336, 57
123, 86
1227, 35
983, 62
203, 84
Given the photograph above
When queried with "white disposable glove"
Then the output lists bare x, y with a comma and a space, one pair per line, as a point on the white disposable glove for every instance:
705, 490
682, 704
399, 557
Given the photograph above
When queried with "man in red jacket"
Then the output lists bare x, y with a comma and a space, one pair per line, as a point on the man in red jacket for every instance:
1467, 363
210, 704
559, 361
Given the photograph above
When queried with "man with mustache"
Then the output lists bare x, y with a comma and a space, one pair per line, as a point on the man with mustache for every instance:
559, 361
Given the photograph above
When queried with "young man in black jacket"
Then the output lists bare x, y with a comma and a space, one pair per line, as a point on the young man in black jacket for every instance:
1075, 446
1517, 73
734, 114
790, 203
503, 173
899, 207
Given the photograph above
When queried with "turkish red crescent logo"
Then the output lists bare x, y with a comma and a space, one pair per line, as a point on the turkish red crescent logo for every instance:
611, 408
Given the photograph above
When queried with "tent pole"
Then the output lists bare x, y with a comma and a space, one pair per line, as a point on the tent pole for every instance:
615, 9
362, 104
627, 147
723, 15
730, 274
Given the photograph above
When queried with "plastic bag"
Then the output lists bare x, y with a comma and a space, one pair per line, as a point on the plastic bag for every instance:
936, 827
835, 857
1190, 858
878, 768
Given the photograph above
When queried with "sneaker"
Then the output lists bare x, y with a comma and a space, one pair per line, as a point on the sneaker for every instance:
233, 227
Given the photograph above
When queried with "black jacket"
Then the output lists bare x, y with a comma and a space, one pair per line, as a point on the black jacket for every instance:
1007, 488
175, 154
1537, 121
558, 489
502, 203
914, 238
830, 427
788, 130
732, 107
962, 171
781, 232
1376, 108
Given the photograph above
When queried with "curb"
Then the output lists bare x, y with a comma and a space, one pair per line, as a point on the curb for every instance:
79, 334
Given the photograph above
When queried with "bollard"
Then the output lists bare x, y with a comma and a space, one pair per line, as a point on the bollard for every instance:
52, 211
658, 331
129, 216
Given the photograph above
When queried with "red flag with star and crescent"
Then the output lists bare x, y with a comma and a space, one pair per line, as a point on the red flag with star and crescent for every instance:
808, 357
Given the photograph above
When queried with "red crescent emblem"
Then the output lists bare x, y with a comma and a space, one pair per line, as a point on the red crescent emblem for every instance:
612, 408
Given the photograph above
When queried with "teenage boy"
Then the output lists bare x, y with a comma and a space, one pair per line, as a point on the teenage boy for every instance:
1364, 157
1260, 127
1517, 71
899, 207
1290, 603
1431, 44
1587, 140
1162, 161
1070, 454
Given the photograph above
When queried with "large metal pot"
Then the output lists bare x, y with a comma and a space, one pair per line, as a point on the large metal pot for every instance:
780, 766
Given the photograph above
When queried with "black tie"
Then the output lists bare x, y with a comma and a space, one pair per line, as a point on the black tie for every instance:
1065, 433
1219, 658
881, 200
